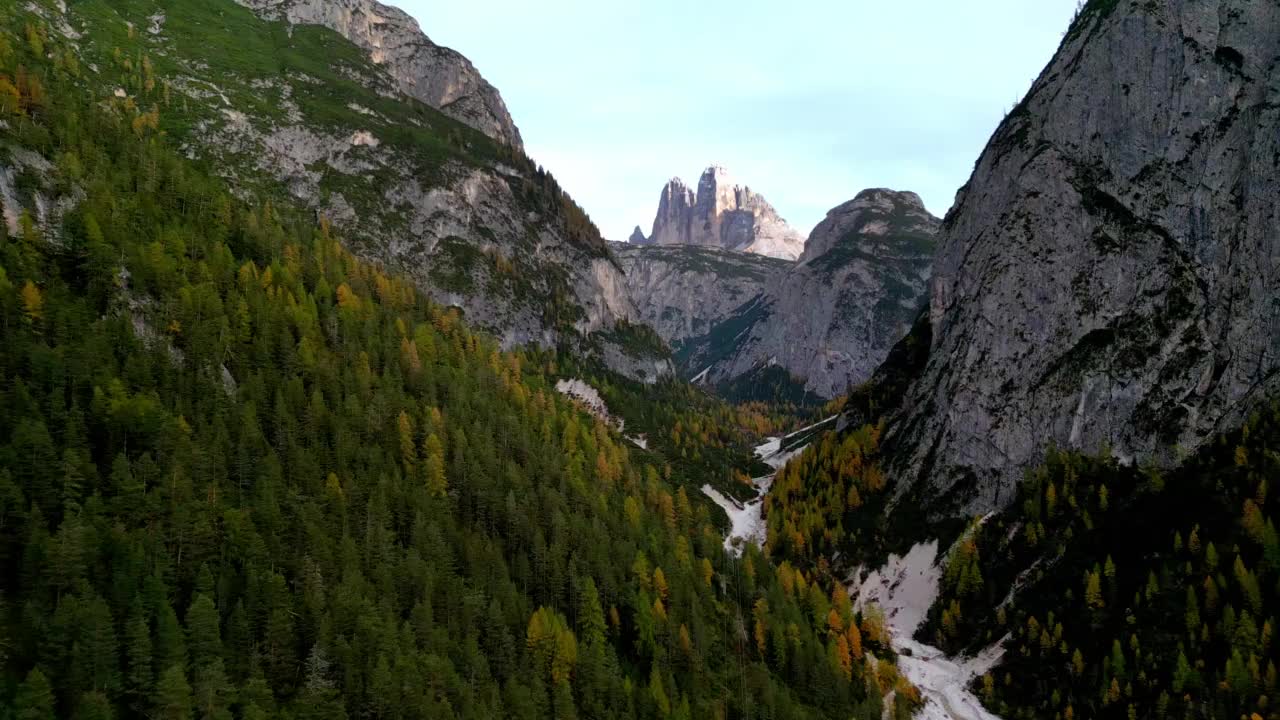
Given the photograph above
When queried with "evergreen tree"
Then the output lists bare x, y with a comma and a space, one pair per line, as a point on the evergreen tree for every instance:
34, 700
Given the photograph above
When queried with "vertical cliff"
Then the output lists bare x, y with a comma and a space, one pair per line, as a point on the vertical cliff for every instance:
1109, 279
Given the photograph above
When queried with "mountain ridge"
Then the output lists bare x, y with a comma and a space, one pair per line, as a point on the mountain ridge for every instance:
813, 328
438, 76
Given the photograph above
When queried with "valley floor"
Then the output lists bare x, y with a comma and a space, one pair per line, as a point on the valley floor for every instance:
904, 589
746, 520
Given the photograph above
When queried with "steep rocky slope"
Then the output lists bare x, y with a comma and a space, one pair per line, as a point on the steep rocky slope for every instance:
1109, 280
722, 214
682, 291
829, 320
348, 128
435, 75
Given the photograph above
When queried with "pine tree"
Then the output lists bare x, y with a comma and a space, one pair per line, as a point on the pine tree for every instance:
212, 693
34, 700
170, 647
140, 676
173, 695
1093, 590
434, 471
204, 641
93, 706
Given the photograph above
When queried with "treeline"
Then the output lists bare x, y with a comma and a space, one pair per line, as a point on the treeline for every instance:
245, 474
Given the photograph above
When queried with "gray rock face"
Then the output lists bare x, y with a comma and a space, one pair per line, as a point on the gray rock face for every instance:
638, 238
725, 215
435, 75
683, 291
1109, 279
877, 213
830, 320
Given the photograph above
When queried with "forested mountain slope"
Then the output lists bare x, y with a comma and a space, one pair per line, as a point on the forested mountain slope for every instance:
289, 105
245, 473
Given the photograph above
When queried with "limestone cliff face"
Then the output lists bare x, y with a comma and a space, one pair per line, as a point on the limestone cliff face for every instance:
435, 75
722, 214
832, 318
683, 291
1109, 279
827, 321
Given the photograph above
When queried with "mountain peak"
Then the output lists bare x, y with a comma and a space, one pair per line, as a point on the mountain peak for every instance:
716, 171
393, 40
722, 214
888, 223
900, 197
638, 238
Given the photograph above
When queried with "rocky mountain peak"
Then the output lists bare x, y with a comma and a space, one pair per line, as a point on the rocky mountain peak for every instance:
722, 214
886, 223
638, 238
435, 75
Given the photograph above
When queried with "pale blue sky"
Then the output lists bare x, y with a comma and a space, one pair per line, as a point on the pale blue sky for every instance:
807, 102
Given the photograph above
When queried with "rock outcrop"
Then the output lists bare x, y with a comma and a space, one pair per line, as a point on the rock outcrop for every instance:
683, 291
435, 75
724, 215
1109, 279
831, 319
638, 238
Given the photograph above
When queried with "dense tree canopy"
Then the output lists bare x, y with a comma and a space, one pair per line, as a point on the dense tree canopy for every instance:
245, 474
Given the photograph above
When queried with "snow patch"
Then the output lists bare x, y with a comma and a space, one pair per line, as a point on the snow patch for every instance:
746, 520
904, 589
700, 377
943, 682
228, 381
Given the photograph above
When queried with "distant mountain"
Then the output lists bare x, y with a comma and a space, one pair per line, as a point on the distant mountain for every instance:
683, 291
762, 327
725, 215
638, 238
829, 320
